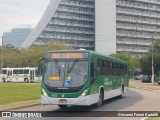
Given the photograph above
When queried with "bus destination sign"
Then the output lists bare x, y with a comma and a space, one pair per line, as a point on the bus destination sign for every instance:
67, 55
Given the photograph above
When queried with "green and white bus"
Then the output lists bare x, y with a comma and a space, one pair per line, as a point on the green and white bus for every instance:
81, 77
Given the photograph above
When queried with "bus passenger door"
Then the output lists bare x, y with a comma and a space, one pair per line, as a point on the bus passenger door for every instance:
9, 75
31, 75
93, 71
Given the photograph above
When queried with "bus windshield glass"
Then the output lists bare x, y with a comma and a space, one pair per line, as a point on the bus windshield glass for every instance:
66, 73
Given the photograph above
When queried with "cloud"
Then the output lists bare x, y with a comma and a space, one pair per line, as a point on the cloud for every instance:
15, 12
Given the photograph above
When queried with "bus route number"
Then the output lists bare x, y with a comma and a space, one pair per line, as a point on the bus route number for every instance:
66, 55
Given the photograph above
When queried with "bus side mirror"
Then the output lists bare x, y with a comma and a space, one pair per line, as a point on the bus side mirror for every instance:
42, 59
40, 66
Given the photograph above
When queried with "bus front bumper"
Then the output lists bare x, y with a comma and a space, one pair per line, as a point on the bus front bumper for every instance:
65, 101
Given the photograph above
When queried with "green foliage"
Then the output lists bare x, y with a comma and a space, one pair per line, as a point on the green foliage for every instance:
146, 61
30, 57
133, 63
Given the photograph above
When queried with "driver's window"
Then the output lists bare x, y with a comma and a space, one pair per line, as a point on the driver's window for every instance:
93, 70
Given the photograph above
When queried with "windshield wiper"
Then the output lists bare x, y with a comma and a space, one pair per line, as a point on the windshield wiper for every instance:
58, 68
59, 71
74, 63
67, 70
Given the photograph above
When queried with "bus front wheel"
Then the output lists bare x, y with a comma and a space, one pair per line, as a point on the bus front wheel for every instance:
26, 80
101, 97
62, 106
3, 80
122, 91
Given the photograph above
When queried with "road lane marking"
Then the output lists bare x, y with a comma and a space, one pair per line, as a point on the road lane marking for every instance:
144, 118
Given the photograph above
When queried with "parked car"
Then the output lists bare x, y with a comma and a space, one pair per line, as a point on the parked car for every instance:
158, 82
146, 78
138, 77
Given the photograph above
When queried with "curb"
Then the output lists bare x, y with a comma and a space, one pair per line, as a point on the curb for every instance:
158, 91
21, 106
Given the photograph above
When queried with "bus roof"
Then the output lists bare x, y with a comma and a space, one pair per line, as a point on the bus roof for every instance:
110, 57
21, 68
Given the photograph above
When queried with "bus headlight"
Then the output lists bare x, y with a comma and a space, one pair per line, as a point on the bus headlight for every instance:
84, 93
44, 93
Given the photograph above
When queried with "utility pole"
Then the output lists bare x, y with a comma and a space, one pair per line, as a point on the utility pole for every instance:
2, 58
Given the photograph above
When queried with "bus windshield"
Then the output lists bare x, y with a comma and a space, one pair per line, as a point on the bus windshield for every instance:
66, 73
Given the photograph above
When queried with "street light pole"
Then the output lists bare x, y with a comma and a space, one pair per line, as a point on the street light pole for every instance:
2, 58
152, 63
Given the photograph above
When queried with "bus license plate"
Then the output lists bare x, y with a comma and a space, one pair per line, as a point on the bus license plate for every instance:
62, 101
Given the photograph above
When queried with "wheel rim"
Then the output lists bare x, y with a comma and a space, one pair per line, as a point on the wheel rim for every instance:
122, 91
100, 99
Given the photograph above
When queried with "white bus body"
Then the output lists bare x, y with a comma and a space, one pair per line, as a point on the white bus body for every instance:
20, 74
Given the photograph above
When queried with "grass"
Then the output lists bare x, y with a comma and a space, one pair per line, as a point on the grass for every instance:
15, 92
153, 118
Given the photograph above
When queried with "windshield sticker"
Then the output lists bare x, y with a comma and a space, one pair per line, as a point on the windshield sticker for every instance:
69, 78
67, 83
54, 78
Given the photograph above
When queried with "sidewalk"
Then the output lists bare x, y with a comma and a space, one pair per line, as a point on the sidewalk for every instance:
20, 104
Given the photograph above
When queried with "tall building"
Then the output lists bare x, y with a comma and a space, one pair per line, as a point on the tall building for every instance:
16, 36
130, 26
138, 25
70, 22
107, 26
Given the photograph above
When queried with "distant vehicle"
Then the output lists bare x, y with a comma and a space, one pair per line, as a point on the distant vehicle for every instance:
146, 78
26, 74
138, 77
158, 82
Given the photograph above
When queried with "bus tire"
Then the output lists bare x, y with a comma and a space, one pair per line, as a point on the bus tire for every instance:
122, 91
3, 80
62, 106
101, 98
26, 80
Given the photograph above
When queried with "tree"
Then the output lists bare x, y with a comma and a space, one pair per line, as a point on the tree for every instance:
146, 61
133, 63
30, 57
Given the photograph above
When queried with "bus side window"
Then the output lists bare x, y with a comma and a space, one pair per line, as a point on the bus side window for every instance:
4, 71
37, 72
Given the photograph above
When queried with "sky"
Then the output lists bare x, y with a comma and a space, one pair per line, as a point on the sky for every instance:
16, 12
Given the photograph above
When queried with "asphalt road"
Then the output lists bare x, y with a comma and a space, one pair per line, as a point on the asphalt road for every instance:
134, 100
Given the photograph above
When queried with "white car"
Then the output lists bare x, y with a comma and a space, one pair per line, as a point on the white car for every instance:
138, 77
